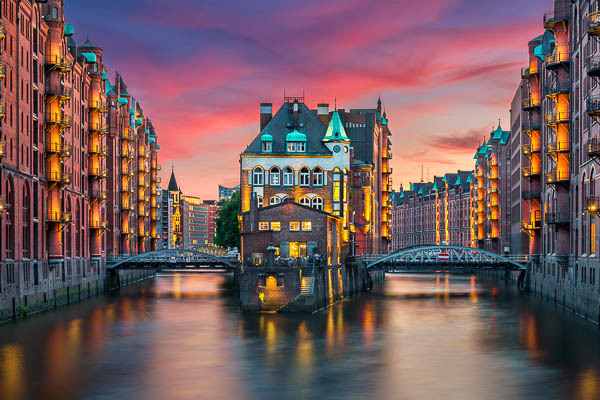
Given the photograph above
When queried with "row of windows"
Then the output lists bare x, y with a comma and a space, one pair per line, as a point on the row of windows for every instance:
294, 226
275, 177
315, 202
292, 147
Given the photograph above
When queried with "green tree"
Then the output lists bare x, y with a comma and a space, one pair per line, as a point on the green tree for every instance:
228, 226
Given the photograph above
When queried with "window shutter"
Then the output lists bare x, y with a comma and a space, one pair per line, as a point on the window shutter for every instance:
296, 179
284, 249
250, 178
324, 178
267, 181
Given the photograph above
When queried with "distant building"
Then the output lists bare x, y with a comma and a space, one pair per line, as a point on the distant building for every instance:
198, 221
171, 218
225, 193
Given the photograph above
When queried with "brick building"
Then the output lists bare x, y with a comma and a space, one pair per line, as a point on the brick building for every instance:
437, 212
198, 221
294, 229
60, 161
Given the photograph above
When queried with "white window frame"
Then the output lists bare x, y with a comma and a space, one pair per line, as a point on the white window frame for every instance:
267, 147
258, 176
291, 147
260, 201
306, 226
274, 200
263, 226
294, 226
304, 177
318, 176
317, 203
276, 226
275, 176
305, 201
301, 147
288, 177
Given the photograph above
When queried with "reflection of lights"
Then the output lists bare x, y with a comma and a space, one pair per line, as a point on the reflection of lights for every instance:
447, 288
271, 337
588, 384
304, 349
473, 290
11, 371
494, 291
368, 323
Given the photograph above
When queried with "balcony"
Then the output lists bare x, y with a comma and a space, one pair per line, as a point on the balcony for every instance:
56, 62
533, 100
126, 171
527, 126
557, 87
558, 147
529, 172
558, 218
127, 205
125, 189
98, 194
98, 173
592, 21
61, 149
97, 127
531, 194
527, 72
387, 155
529, 149
145, 168
58, 177
59, 217
98, 105
592, 64
99, 150
60, 91
156, 167
555, 118
557, 177
126, 134
99, 225
592, 104
142, 153
58, 118
534, 223
560, 14
560, 56
593, 147
593, 204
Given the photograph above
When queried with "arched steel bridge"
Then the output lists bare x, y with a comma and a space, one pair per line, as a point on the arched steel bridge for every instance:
433, 257
174, 258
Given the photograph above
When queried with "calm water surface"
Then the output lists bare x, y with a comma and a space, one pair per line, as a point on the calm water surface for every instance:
415, 337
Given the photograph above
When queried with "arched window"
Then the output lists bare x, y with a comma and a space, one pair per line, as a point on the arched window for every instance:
54, 13
592, 183
305, 201
317, 203
288, 177
26, 221
317, 177
275, 176
274, 200
304, 177
257, 176
68, 232
78, 224
260, 201
10, 219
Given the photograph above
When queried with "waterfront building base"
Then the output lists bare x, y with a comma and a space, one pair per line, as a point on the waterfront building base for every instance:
289, 289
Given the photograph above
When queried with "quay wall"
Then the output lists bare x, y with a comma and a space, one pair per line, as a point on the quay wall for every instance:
279, 289
24, 301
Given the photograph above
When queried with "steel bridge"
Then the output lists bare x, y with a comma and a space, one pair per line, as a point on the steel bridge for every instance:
430, 258
174, 259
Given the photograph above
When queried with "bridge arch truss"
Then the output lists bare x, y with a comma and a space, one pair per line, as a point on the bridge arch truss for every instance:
173, 257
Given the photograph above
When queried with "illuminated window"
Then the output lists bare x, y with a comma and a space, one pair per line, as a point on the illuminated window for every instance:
317, 203
275, 176
294, 226
593, 238
267, 147
263, 226
276, 226
274, 200
304, 177
306, 225
257, 176
317, 177
288, 177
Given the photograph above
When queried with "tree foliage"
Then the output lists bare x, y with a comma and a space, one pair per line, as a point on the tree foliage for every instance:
228, 227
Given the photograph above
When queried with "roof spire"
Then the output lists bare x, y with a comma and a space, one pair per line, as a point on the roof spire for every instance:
335, 103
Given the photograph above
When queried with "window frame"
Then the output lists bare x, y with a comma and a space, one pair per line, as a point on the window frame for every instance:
294, 226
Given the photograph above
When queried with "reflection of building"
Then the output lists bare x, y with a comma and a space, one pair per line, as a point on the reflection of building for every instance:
437, 212
225, 193
294, 229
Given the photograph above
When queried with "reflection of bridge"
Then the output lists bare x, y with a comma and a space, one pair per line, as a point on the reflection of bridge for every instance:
429, 258
174, 259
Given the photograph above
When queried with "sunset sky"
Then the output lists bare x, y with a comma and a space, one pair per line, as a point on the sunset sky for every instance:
446, 71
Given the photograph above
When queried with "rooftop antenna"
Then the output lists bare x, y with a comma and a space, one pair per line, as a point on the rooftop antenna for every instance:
427, 174
421, 173
335, 103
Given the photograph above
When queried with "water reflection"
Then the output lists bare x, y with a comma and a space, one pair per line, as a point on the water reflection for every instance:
418, 336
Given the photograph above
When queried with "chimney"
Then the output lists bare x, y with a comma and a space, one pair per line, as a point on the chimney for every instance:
266, 113
323, 113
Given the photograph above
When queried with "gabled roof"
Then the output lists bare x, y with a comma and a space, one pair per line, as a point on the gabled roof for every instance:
173, 186
282, 124
335, 130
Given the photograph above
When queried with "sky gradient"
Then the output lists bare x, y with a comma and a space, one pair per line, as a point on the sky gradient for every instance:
446, 71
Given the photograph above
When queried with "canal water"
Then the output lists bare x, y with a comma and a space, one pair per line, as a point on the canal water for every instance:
415, 337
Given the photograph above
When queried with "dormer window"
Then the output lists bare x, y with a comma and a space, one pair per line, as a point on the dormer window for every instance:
266, 142
296, 142
296, 147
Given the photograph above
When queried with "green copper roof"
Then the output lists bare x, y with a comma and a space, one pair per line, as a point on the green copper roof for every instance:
295, 136
266, 137
402, 195
89, 57
470, 178
383, 121
122, 100
131, 111
497, 134
138, 122
457, 181
158, 146
335, 130
539, 51
152, 139
444, 179
420, 190
104, 76
434, 186
147, 131
69, 30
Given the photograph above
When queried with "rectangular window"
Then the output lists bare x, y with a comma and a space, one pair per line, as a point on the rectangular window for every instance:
263, 226
291, 147
266, 147
294, 225
306, 225
593, 238
276, 226
301, 147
